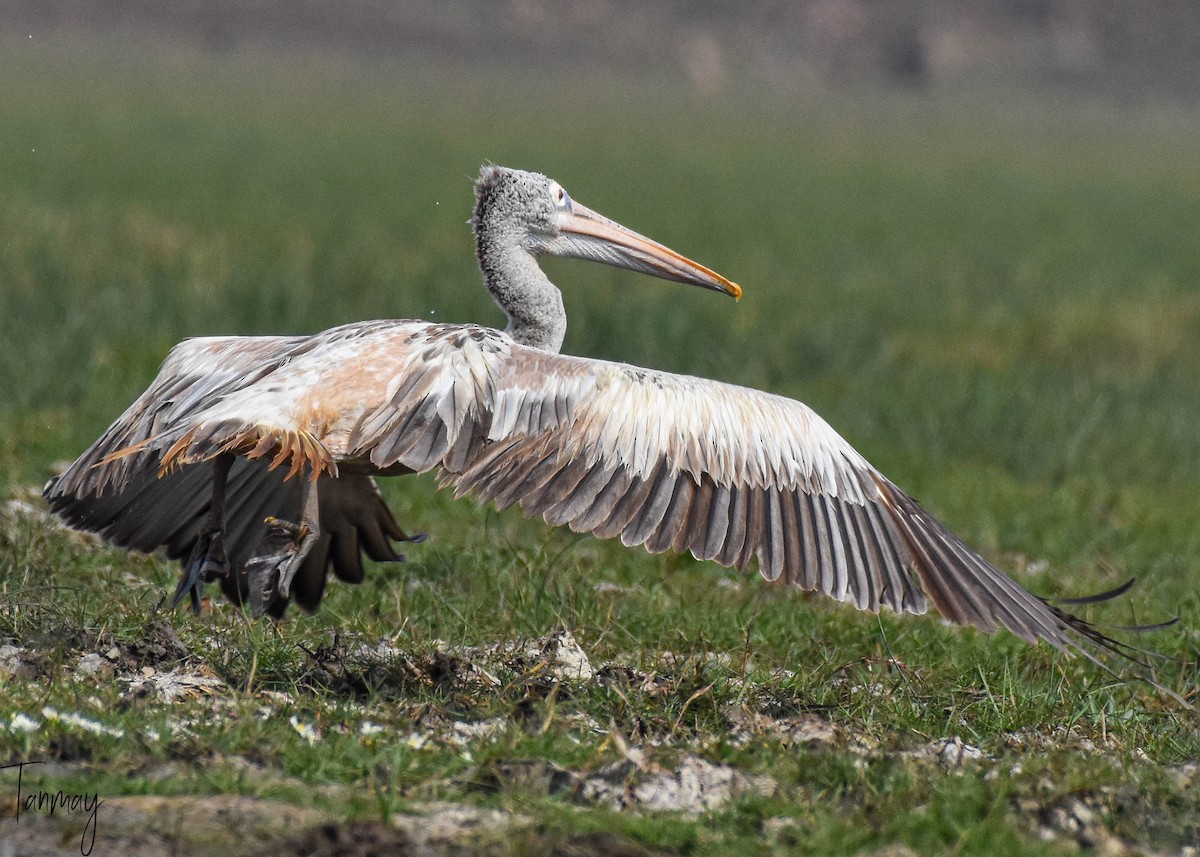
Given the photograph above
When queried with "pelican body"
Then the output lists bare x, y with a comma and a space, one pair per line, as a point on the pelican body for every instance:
253, 459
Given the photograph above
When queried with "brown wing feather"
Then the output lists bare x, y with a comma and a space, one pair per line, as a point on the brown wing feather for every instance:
197, 373
135, 487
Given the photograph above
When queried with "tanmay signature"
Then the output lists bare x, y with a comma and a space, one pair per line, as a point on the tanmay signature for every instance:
58, 803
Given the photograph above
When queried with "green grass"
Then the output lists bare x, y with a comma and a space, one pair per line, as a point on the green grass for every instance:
998, 304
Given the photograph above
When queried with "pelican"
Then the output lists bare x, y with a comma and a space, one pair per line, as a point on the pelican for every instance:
253, 459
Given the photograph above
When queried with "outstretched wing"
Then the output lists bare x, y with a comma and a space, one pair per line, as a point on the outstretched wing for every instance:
196, 374
733, 475
119, 489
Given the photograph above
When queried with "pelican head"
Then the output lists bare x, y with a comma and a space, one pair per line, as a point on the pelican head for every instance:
535, 212
521, 216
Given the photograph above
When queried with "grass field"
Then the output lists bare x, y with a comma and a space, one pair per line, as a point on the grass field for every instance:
998, 303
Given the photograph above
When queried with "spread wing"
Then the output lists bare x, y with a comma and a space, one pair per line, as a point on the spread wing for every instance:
195, 375
134, 502
734, 475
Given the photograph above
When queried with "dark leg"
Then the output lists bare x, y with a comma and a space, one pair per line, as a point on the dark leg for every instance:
207, 561
282, 552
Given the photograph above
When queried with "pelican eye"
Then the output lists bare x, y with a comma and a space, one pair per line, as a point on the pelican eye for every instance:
559, 195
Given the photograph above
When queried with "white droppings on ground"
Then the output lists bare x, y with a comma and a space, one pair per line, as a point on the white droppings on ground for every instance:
568, 661
93, 664
586, 723
16, 662
458, 734
559, 652
1058, 738
876, 690
416, 740
1079, 819
380, 651
174, 685
950, 753
463, 732
804, 730
692, 787
18, 508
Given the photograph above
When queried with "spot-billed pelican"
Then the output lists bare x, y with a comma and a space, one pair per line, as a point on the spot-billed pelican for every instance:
665, 461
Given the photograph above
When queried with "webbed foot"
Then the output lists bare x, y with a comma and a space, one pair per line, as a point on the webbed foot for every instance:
206, 563
275, 563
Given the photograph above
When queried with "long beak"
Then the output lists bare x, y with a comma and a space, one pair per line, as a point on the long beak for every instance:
584, 234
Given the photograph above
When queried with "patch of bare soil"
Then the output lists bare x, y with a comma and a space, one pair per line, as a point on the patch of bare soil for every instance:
157, 649
444, 828
600, 845
354, 839
373, 839
151, 826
